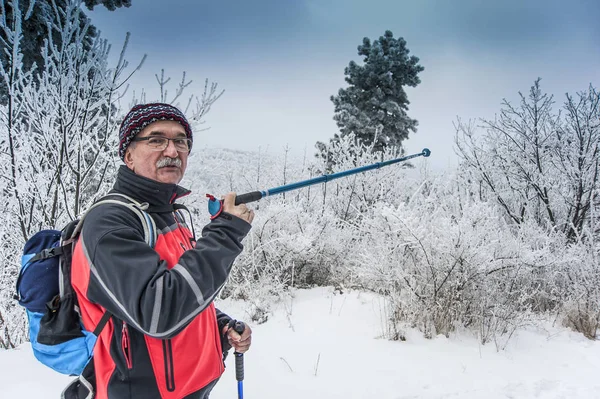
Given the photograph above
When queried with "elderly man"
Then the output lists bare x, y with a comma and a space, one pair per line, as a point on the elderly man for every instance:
164, 337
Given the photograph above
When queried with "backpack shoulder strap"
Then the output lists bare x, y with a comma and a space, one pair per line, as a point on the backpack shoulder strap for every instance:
178, 208
139, 208
150, 234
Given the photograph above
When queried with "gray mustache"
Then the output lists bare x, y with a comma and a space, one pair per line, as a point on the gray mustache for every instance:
168, 162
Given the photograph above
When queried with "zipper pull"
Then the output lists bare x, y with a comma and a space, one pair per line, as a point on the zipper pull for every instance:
125, 344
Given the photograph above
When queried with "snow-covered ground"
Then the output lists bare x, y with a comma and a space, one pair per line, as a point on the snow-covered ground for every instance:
326, 345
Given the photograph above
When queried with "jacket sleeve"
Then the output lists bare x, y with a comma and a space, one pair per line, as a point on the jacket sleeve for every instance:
128, 278
222, 320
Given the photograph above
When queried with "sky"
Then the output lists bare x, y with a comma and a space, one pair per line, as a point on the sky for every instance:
280, 61
322, 344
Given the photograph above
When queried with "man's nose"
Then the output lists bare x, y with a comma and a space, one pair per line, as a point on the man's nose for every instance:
171, 151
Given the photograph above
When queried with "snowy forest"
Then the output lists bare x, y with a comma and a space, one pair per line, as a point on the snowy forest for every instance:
509, 238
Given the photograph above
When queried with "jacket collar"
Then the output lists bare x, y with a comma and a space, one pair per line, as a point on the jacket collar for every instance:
147, 190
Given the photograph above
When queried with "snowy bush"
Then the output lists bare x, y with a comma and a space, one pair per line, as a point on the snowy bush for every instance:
432, 256
303, 238
294, 240
581, 275
438, 247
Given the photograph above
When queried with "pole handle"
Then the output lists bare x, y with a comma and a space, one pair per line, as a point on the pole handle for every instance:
248, 197
239, 366
239, 328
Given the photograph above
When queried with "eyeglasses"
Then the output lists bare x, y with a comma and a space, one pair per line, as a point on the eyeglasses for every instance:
160, 143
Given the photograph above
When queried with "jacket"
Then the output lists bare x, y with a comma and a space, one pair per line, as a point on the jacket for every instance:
163, 339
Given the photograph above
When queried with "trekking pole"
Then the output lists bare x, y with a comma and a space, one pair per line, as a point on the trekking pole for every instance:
215, 206
239, 327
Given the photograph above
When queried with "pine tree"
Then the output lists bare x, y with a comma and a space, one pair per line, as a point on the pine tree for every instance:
374, 106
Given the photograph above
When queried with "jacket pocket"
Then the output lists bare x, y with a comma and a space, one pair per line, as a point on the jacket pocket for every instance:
168, 363
189, 360
126, 346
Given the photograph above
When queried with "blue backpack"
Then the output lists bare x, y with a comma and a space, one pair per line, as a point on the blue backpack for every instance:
44, 289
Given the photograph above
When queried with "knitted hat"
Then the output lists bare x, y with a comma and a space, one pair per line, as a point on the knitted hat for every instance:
142, 115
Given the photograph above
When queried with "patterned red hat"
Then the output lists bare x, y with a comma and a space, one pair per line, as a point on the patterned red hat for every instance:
142, 115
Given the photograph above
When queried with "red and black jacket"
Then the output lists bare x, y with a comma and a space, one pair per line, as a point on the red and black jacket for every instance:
163, 339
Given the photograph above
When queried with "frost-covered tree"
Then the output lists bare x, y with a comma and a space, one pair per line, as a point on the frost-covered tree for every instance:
34, 30
374, 106
58, 122
539, 164
57, 137
542, 168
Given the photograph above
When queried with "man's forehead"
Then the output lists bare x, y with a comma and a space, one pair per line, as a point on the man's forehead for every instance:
163, 127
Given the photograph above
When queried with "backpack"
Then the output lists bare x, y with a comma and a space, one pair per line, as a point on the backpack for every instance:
44, 289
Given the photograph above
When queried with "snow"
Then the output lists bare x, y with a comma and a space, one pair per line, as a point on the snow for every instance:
323, 344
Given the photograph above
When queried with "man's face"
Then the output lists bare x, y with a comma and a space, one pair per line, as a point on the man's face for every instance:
165, 166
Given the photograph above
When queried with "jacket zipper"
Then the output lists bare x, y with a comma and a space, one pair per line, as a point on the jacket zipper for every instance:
169, 373
126, 346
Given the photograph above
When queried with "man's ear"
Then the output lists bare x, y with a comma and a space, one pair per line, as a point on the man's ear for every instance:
129, 159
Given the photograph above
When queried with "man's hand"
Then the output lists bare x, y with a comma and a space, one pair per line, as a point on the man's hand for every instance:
240, 210
240, 343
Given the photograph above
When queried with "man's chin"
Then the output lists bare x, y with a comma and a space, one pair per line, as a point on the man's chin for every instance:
170, 175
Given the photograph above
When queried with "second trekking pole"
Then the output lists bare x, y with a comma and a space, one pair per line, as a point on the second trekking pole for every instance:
239, 328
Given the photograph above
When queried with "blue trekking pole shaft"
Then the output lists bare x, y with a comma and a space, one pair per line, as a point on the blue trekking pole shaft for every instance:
239, 373
215, 206
256, 195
